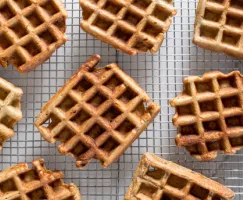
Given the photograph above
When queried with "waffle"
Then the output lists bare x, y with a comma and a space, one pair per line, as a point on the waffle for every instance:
209, 114
21, 182
131, 26
10, 111
159, 179
30, 31
97, 114
218, 26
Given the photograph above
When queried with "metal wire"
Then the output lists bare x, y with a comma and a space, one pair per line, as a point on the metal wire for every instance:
161, 75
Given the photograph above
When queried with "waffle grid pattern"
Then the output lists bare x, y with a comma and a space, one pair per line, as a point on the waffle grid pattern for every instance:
218, 26
157, 179
21, 182
10, 109
30, 31
131, 26
99, 114
209, 114
160, 75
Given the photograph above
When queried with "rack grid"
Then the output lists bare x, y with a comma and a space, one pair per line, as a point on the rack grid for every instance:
161, 75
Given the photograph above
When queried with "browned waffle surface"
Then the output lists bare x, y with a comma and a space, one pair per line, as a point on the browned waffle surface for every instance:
10, 109
159, 179
23, 183
97, 114
131, 26
218, 26
30, 31
209, 114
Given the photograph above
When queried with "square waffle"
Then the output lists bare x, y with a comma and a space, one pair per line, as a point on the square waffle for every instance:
131, 26
30, 31
10, 109
209, 114
97, 114
159, 179
218, 26
22, 182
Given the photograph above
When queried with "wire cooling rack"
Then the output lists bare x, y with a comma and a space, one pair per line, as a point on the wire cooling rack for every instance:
161, 75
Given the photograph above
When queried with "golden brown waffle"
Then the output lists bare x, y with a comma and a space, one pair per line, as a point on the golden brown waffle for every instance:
218, 26
131, 26
97, 114
30, 31
22, 183
10, 109
209, 114
159, 179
